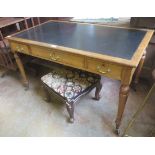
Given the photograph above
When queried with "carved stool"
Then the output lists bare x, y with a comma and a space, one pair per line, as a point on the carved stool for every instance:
69, 84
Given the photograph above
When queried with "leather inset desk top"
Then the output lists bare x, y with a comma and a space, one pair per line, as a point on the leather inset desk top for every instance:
116, 42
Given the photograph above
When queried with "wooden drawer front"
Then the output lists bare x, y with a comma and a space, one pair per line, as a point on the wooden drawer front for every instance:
104, 68
40, 52
58, 56
20, 48
69, 59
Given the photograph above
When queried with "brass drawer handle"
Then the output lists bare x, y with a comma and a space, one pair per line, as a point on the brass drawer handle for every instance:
52, 57
18, 48
22, 50
101, 71
55, 58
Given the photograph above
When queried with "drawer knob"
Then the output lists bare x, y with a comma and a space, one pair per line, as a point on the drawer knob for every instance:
100, 70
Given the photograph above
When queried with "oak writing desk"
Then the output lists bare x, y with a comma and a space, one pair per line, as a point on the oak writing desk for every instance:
110, 51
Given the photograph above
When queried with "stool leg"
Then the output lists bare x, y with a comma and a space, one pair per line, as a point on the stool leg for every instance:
98, 89
70, 109
46, 94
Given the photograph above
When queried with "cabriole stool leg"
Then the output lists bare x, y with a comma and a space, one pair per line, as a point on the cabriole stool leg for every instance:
46, 93
70, 109
98, 89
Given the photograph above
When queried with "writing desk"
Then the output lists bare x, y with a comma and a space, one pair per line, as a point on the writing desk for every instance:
110, 51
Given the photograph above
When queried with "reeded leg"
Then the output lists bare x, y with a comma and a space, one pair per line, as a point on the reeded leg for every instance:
70, 109
123, 95
97, 92
138, 71
22, 71
46, 94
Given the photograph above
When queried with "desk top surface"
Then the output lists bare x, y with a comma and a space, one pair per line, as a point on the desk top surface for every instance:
112, 41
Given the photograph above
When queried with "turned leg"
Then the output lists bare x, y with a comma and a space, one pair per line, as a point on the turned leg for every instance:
138, 71
98, 89
70, 109
22, 71
123, 95
46, 93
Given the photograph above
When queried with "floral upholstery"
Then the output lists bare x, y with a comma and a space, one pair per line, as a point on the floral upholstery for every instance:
69, 82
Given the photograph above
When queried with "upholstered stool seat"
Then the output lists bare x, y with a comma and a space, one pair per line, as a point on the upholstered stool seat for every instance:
69, 84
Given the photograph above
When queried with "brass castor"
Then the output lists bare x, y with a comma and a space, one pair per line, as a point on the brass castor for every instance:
71, 120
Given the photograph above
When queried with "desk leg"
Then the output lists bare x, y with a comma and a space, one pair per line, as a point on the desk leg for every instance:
22, 71
138, 71
123, 95
127, 74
